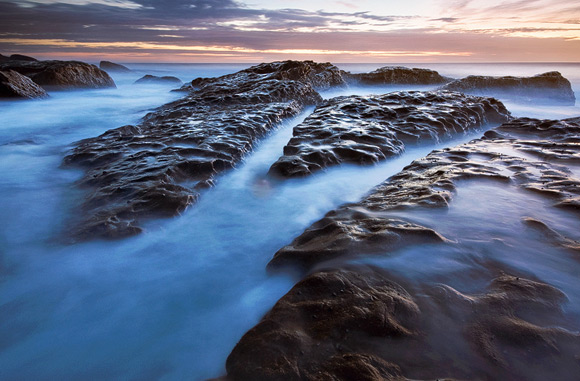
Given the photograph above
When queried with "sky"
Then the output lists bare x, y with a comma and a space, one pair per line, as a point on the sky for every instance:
265, 30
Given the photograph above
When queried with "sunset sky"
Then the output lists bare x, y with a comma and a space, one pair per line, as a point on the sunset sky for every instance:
265, 30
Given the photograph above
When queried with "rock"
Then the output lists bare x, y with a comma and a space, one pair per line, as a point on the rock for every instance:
20, 57
549, 87
319, 75
367, 227
397, 75
366, 130
113, 67
153, 79
15, 85
357, 324
61, 75
4, 58
157, 168
313, 329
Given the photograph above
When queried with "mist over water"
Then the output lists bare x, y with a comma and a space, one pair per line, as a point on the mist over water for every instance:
171, 303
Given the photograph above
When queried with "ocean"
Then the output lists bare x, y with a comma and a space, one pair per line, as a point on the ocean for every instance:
172, 302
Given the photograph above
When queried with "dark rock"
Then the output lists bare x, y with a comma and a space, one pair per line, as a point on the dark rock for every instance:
113, 67
357, 324
547, 87
302, 336
366, 130
20, 57
153, 79
397, 75
158, 167
61, 75
15, 85
366, 227
3, 58
319, 75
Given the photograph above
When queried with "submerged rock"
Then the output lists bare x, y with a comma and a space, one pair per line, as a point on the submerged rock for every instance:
367, 227
15, 85
357, 324
397, 75
368, 129
113, 67
61, 75
153, 79
549, 87
158, 167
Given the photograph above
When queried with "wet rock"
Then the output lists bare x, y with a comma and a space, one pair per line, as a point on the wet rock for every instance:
366, 130
356, 323
153, 79
430, 182
547, 87
311, 332
552, 235
318, 75
113, 67
61, 75
397, 75
157, 168
15, 85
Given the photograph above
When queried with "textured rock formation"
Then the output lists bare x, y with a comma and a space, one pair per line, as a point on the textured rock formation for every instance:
366, 227
113, 67
366, 130
15, 85
153, 79
397, 75
547, 87
157, 168
356, 324
61, 75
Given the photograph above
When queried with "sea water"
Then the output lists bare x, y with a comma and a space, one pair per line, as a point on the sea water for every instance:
172, 302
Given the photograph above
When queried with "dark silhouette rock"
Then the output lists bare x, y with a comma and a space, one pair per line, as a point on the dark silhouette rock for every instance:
397, 75
366, 130
547, 87
61, 75
153, 79
157, 168
362, 228
113, 67
21, 57
15, 85
357, 324
3, 58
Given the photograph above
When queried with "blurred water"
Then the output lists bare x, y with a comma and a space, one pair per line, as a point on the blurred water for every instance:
172, 302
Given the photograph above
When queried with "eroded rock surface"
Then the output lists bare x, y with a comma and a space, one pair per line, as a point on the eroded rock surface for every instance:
547, 87
397, 75
357, 324
15, 85
366, 227
368, 129
60, 75
158, 167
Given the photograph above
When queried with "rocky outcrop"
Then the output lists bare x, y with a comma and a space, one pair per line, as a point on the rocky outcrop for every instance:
21, 57
367, 228
366, 130
319, 75
549, 87
153, 79
113, 67
397, 75
61, 75
158, 167
358, 324
15, 85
